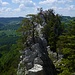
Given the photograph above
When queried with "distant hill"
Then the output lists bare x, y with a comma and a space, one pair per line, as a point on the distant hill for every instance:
13, 23
10, 23
67, 18
7, 20
9, 51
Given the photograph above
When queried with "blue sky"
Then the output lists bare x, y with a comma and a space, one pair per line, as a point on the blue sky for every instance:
18, 8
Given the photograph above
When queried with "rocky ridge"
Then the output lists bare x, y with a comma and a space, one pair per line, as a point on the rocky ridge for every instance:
34, 59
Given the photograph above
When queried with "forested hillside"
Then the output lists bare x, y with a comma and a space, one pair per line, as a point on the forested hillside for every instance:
9, 54
59, 32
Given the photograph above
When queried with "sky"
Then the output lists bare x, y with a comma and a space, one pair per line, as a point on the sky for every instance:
20, 8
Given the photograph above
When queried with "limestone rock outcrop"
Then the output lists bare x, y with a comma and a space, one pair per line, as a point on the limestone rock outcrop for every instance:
35, 59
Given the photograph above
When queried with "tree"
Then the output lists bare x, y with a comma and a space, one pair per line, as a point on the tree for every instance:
67, 47
52, 29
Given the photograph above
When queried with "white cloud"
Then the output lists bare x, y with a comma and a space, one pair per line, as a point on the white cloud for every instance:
27, 3
5, 9
64, 1
20, 8
70, 7
16, 1
66, 11
30, 4
20, 1
47, 1
70, 0
23, 5
67, 8
55, 1
3, 3
16, 10
8, 9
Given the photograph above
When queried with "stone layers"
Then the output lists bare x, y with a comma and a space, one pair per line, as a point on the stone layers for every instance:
35, 60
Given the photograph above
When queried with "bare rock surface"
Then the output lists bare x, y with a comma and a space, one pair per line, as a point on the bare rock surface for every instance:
35, 59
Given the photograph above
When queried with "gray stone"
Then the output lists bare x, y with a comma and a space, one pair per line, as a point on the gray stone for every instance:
30, 58
22, 51
29, 65
36, 70
36, 47
44, 42
38, 61
35, 59
28, 52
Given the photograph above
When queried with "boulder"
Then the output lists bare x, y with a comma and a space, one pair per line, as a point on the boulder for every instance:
35, 58
38, 61
29, 65
28, 52
36, 70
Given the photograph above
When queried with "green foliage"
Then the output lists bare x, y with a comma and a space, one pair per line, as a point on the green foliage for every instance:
52, 28
9, 51
10, 23
59, 34
66, 45
66, 51
5, 39
9, 61
65, 72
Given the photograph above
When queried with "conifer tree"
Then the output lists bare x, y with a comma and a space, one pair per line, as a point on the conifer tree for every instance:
66, 45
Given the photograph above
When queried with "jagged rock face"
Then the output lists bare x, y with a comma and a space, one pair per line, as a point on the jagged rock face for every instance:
34, 59
38, 61
34, 55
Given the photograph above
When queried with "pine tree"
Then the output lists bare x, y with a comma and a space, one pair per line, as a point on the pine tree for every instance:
52, 28
67, 48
